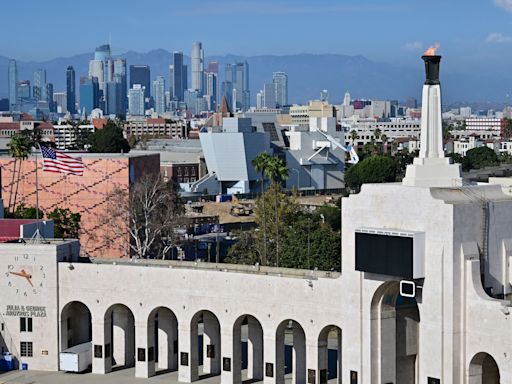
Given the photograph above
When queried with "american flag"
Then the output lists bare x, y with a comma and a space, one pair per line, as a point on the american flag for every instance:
56, 161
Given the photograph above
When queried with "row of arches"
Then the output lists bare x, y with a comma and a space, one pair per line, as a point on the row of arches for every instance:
204, 358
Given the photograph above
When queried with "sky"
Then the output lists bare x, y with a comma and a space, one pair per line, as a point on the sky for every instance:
395, 31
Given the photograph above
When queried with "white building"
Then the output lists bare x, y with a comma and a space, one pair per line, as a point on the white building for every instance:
159, 95
136, 100
483, 124
66, 134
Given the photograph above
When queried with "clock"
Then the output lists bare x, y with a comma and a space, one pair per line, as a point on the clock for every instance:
25, 276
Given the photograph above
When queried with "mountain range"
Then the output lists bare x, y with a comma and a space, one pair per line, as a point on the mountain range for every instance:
308, 74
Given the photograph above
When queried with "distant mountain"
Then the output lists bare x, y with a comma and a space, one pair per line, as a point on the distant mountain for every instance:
308, 74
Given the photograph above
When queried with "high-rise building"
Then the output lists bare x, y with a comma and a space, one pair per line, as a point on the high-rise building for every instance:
238, 75
213, 67
13, 85
60, 100
39, 85
227, 93
89, 94
70, 90
280, 80
136, 100
159, 95
99, 66
49, 97
269, 96
197, 58
346, 99
102, 53
140, 74
324, 96
112, 95
24, 89
260, 99
178, 73
120, 76
210, 90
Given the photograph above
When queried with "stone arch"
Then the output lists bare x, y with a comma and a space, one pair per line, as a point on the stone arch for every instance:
394, 336
483, 369
75, 325
205, 346
329, 354
247, 349
119, 323
290, 352
162, 340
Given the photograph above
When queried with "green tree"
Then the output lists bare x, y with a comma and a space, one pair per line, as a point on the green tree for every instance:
353, 135
331, 215
66, 223
374, 169
19, 148
480, 157
245, 250
109, 139
260, 164
24, 212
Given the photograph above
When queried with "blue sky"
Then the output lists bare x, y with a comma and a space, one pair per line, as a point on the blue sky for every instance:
395, 31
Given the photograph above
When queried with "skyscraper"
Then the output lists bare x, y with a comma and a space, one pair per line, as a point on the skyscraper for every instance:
89, 94
136, 100
39, 85
213, 66
98, 66
197, 57
140, 74
281, 88
178, 73
269, 96
159, 95
346, 99
13, 85
24, 91
120, 76
71, 90
49, 97
210, 90
238, 75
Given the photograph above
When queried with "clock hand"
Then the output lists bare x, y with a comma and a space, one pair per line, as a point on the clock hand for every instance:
29, 279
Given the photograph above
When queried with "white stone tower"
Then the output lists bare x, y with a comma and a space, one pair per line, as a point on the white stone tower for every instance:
432, 168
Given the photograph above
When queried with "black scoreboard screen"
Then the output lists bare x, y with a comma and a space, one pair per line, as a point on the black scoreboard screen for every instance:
385, 254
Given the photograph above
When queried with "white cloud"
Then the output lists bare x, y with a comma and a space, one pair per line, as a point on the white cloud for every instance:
498, 38
413, 46
505, 4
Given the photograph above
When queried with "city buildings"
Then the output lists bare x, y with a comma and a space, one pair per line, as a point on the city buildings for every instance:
211, 89
178, 75
484, 124
269, 95
140, 74
197, 58
13, 85
136, 100
65, 135
236, 86
39, 85
159, 95
70, 91
156, 128
89, 94
280, 80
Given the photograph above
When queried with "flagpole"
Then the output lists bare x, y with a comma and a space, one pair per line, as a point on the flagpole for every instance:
37, 235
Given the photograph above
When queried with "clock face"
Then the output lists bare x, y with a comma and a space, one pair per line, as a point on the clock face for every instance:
24, 276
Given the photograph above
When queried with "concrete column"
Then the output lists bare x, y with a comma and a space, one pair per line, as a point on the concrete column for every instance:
299, 357
270, 354
316, 357
123, 338
231, 348
101, 336
188, 352
388, 346
254, 350
279, 358
167, 334
145, 339
211, 337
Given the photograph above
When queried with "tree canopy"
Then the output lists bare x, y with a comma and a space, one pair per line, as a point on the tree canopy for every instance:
373, 169
480, 157
109, 139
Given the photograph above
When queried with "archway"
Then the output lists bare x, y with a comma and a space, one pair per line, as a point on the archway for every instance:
163, 340
483, 370
290, 353
75, 325
329, 354
120, 336
247, 349
205, 347
394, 336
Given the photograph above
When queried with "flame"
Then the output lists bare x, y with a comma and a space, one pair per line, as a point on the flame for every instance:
432, 50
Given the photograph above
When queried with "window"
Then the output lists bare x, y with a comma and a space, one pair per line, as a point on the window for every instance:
26, 349
25, 324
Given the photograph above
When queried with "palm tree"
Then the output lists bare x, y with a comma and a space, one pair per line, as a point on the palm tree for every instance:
377, 133
277, 171
260, 163
19, 148
353, 136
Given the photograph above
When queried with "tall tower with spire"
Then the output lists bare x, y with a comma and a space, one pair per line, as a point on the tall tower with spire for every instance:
432, 168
